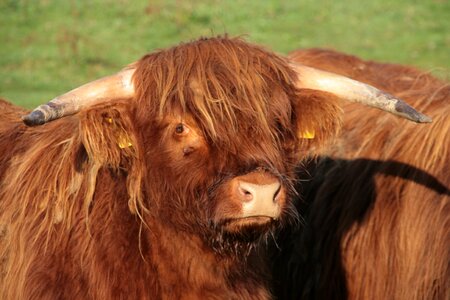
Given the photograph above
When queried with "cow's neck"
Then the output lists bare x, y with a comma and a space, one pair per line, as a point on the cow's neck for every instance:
188, 268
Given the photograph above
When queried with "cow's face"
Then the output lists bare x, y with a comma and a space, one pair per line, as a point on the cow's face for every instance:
239, 178
232, 176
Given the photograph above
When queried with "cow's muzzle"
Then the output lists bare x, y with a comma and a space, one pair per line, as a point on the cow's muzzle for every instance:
252, 199
259, 194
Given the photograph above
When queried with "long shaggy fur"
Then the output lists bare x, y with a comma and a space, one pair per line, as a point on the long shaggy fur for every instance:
377, 202
101, 205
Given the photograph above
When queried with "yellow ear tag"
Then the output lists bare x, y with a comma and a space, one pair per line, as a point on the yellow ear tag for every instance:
123, 142
122, 139
308, 134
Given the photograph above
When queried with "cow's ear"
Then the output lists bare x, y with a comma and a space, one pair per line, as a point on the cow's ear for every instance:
108, 135
110, 141
318, 119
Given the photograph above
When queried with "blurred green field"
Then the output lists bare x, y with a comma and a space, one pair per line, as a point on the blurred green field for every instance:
49, 46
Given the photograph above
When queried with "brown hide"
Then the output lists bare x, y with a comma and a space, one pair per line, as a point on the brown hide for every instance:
9, 123
120, 202
132, 199
377, 203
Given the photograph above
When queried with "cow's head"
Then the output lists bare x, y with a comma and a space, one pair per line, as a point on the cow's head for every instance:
219, 125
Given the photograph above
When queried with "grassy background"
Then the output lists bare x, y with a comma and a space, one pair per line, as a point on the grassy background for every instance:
48, 47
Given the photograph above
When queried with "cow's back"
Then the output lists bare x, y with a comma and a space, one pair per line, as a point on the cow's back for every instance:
11, 128
9, 132
377, 207
10, 114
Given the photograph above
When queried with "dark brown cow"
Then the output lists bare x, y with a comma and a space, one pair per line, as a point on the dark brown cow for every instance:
166, 180
377, 206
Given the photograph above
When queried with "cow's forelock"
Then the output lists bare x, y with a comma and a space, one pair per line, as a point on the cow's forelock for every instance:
223, 83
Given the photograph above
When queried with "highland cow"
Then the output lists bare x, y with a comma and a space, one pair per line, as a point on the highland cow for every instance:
166, 180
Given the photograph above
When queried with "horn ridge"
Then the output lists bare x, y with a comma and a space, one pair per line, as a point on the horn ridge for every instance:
105, 89
355, 91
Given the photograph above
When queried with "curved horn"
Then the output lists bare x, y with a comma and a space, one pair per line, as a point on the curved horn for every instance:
112, 87
355, 91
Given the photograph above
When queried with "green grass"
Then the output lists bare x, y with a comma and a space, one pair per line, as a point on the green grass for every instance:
48, 47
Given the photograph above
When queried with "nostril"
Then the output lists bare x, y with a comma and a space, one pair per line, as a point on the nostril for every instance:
245, 194
277, 192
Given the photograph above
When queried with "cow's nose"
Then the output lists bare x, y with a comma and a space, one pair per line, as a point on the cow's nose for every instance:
258, 192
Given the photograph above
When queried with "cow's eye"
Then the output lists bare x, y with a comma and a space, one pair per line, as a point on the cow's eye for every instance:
181, 129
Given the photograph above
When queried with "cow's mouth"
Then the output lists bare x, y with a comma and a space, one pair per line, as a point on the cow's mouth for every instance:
258, 223
238, 236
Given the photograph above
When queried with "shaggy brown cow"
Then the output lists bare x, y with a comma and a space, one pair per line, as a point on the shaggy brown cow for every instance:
377, 205
169, 180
